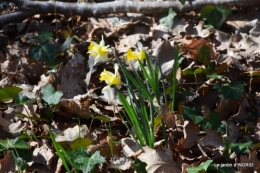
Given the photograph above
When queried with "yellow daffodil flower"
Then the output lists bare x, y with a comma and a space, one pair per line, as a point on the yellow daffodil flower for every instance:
110, 78
99, 51
136, 55
130, 55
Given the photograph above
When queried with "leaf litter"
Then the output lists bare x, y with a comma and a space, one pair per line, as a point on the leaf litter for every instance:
217, 94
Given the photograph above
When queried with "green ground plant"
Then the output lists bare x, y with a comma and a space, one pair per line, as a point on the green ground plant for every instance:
141, 110
141, 120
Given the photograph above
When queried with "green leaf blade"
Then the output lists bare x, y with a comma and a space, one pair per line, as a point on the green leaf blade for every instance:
9, 92
201, 168
14, 144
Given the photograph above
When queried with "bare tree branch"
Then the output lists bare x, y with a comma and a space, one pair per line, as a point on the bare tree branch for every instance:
16, 16
89, 10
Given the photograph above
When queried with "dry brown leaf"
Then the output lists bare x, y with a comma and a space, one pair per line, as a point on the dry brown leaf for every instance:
43, 156
164, 53
242, 115
2, 57
195, 31
130, 42
8, 124
178, 26
7, 81
195, 45
223, 40
71, 134
158, 160
10, 66
212, 139
233, 131
257, 131
167, 116
105, 149
191, 132
70, 78
186, 154
238, 22
130, 147
227, 107
230, 58
160, 31
79, 107
122, 163
252, 163
7, 164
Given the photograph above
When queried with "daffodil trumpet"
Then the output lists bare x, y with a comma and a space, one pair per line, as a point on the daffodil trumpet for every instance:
111, 78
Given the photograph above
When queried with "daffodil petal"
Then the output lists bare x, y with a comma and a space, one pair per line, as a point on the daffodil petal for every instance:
106, 88
116, 67
142, 55
115, 81
130, 55
139, 45
102, 42
116, 71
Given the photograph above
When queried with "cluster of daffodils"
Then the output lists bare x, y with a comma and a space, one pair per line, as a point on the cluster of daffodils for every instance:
100, 53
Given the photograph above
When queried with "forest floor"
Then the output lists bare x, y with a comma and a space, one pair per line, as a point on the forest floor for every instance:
56, 116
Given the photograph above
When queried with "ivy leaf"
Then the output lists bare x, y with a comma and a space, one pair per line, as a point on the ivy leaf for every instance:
49, 51
230, 91
193, 114
222, 128
13, 143
45, 36
8, 93
140, 166
35, 53
49, 95
84, 161
91, 162
203, 54
240, 148
201, 168
168, 20
215, 15
213, 122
